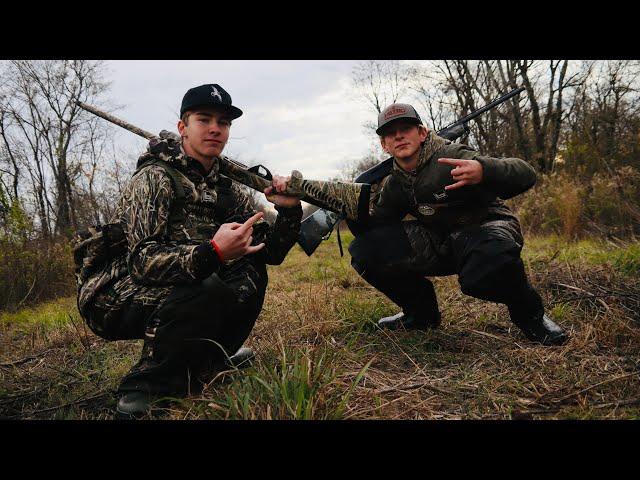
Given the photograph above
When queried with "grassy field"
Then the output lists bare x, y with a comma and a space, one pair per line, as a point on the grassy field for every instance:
319, 355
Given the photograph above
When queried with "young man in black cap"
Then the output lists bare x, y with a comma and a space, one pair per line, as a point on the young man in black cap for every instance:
192, 279
458, 225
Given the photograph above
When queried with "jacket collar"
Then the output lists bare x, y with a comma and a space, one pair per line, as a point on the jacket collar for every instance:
431, 145
168, 148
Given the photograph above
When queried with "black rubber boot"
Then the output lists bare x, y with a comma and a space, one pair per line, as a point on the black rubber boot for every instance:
528, 314
133, 405
420, 311
243, 358
408, 321
538, 327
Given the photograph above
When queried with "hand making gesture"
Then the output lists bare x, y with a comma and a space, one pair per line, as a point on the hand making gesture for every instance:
466, 172
233, 240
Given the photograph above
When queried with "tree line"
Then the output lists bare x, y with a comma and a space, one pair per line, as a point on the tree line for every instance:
59, 168
579, 115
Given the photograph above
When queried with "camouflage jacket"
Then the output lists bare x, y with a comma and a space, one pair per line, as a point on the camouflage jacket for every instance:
162, 253
421, 194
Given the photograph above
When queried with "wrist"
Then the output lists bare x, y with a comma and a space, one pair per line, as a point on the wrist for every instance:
488, 170
216, 248
205, 260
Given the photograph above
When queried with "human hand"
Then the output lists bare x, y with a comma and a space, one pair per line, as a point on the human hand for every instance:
279, 184
466, 172
166, 142
234, 239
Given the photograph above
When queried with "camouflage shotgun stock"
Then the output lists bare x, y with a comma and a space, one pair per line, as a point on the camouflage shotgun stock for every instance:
348, 199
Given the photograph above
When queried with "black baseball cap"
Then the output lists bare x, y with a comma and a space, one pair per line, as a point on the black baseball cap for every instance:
395, 112
209, 95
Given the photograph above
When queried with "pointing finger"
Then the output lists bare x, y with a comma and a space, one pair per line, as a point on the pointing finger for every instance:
459, 184
452, 161
249, 223
244, 234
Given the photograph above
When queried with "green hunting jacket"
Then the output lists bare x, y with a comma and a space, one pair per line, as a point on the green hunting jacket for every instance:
421, 194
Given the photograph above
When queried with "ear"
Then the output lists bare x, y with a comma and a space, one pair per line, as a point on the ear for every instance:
181, 127
422, 133
382, 144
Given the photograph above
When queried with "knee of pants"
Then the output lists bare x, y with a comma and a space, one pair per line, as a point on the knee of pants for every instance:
380, 249
361, 255
494, 267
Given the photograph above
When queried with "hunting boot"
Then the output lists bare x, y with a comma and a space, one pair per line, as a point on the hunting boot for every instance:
409, 321
133, 405
136, 404
243, 358
529, 316
420, 316
210, 369
148, 381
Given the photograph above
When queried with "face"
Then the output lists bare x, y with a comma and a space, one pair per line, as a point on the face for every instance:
205, 134
402, 140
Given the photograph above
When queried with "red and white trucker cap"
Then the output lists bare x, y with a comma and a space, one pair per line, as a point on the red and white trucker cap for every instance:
396, 111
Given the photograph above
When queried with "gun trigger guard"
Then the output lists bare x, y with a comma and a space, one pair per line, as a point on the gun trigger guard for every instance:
256, 170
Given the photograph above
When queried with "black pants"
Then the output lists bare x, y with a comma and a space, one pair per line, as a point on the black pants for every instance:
192, 331
396, 258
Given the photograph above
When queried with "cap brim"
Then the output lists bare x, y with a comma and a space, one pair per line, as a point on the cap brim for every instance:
234, 112
410, 119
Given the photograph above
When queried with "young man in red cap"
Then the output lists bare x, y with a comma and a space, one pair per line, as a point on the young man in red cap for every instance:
458, 225
192, 279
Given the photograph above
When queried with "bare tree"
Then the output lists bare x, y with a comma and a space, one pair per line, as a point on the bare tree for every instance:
604, 118
380, 83
354, 168
432, 95
48, 124
529, 125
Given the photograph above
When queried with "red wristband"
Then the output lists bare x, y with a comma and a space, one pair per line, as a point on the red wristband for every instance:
217, 249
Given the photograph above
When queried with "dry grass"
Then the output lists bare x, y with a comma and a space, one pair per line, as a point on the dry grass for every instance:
320, 356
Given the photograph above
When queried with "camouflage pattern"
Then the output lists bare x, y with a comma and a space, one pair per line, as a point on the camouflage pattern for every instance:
339, 197
94, 247
110, 118
161, 253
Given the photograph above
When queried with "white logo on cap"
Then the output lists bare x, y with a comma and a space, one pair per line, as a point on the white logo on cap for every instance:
216, 93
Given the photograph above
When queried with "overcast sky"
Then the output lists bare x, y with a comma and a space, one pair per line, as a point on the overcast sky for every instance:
301, 115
